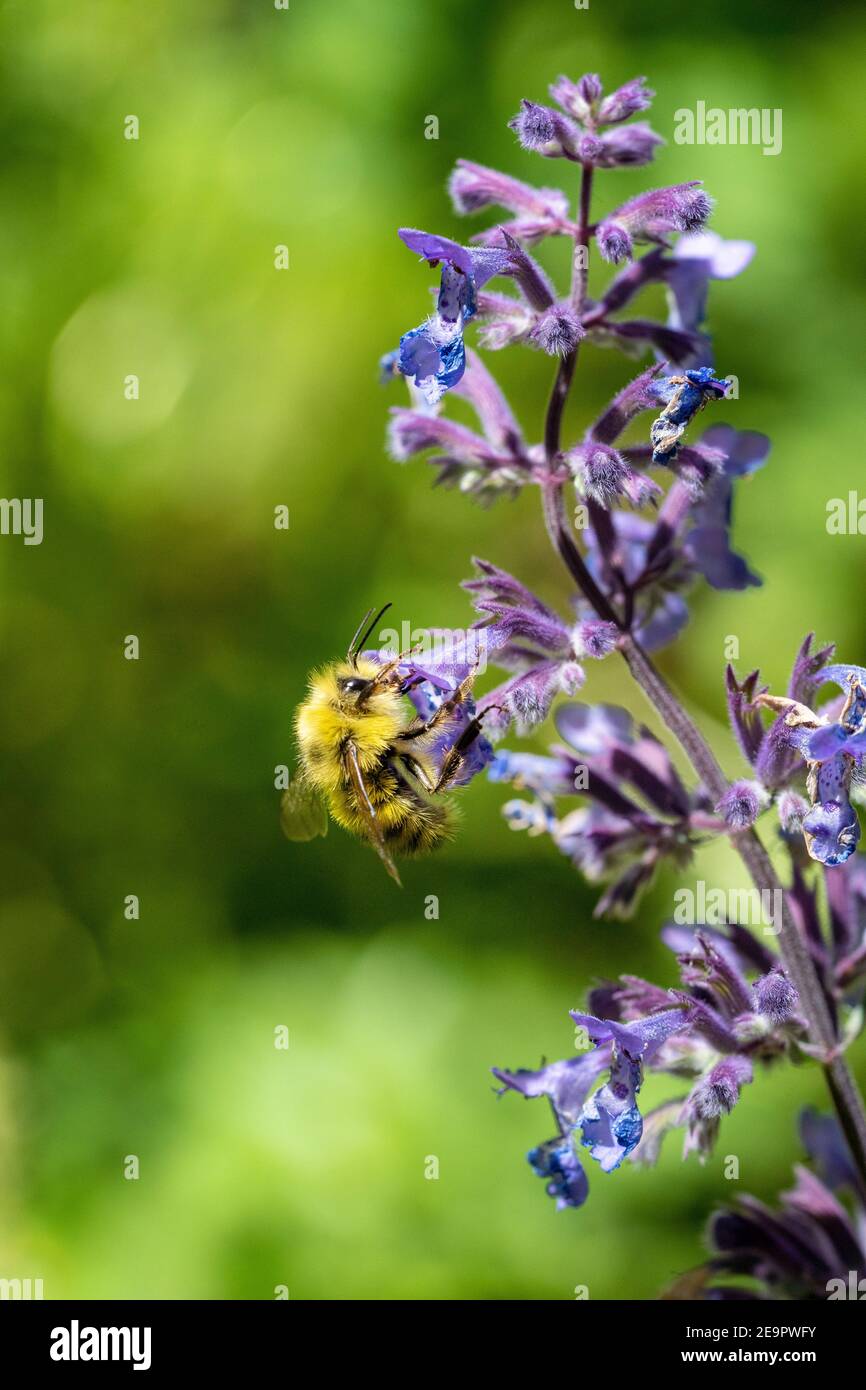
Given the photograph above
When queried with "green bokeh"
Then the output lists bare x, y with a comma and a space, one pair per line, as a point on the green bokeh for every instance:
260, 127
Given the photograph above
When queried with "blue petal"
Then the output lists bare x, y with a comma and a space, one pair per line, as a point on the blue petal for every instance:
435, 367
557, 1160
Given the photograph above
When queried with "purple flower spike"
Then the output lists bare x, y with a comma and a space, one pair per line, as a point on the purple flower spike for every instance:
775, 996
742, 804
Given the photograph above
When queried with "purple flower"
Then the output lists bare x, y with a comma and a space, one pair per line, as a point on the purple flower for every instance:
433, 355
579, 99
610, 1121
775, 996
489, 465
630, 147
603, 475
596, 638
607, 1122
653, 216
528, 637
637, 813
832, 750
698, 258
811, 1247
742, 804
625, 102
557, 330
717, 1093
430, 677
566, 1085
474, 187
545, 131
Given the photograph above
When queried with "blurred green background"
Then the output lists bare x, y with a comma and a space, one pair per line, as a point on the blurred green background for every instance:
155, 1037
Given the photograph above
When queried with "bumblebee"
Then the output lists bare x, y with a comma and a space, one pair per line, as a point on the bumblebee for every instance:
375, 769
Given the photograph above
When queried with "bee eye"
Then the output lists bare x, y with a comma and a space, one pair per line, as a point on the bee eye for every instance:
352, 685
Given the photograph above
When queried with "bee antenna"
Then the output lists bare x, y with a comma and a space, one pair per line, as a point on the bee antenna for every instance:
365, 627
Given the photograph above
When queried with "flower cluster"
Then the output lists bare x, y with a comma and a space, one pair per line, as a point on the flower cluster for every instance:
710, 1031
813, 1247
638, 810
639, 506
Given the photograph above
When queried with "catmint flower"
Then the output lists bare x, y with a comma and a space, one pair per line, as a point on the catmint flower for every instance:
698, 258
627, 147
653, 216
717, 1093
595, 638
557, 330
686, 270
525, 636
433, 355
742, 804
566, 1085
430, 679
489, 465
607, 1122
832, 750
502, 320
638, 812
792, 810
703, 1036
630, 401
578, 99
545, 131
775, 996
603, 475
610, 1121
614, 242
708, 542
807, 1248
625, 102
474, 187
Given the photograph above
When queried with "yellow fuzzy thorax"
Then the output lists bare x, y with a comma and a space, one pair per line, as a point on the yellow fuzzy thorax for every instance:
328, 718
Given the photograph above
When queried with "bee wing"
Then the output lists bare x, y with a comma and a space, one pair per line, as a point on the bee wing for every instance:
302, 811
368, 811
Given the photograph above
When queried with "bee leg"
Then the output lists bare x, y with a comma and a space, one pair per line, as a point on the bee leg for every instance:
418, 772
445, 710
456, 755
